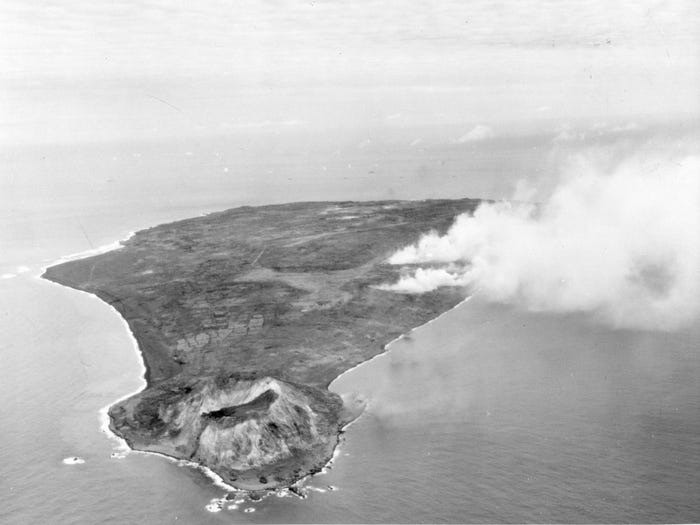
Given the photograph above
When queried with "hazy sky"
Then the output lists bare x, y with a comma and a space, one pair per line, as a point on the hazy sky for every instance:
95, 69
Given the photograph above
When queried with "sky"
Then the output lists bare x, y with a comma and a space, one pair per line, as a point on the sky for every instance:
94, 70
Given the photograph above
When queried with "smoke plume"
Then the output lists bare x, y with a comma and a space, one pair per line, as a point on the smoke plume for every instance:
622, 243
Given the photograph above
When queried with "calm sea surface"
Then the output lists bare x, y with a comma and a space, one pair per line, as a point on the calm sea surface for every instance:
484, 415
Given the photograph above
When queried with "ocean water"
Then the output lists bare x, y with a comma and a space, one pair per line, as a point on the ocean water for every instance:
487, 414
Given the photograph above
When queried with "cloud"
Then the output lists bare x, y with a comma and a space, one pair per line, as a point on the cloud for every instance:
478, 132
565, 133
621, 243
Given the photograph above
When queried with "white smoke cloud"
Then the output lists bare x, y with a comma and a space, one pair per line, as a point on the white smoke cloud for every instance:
623, 244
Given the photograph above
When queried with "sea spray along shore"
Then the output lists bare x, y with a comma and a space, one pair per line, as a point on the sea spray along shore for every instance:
244, 317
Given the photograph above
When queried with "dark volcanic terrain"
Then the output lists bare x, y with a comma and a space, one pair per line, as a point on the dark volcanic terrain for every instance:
244, 317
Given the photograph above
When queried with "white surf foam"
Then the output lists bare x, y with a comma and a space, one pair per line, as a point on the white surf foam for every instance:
215, 505
75, 460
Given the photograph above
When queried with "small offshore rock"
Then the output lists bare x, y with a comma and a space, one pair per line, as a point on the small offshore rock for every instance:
75, 460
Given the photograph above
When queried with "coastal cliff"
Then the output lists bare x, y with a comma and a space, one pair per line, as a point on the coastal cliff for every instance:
244, 317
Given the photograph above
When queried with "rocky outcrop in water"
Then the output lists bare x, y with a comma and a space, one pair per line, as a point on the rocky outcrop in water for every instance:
255, 433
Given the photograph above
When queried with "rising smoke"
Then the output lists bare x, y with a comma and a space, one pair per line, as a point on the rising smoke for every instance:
622, 243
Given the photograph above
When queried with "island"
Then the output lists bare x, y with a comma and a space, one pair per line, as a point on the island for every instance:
245, 316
